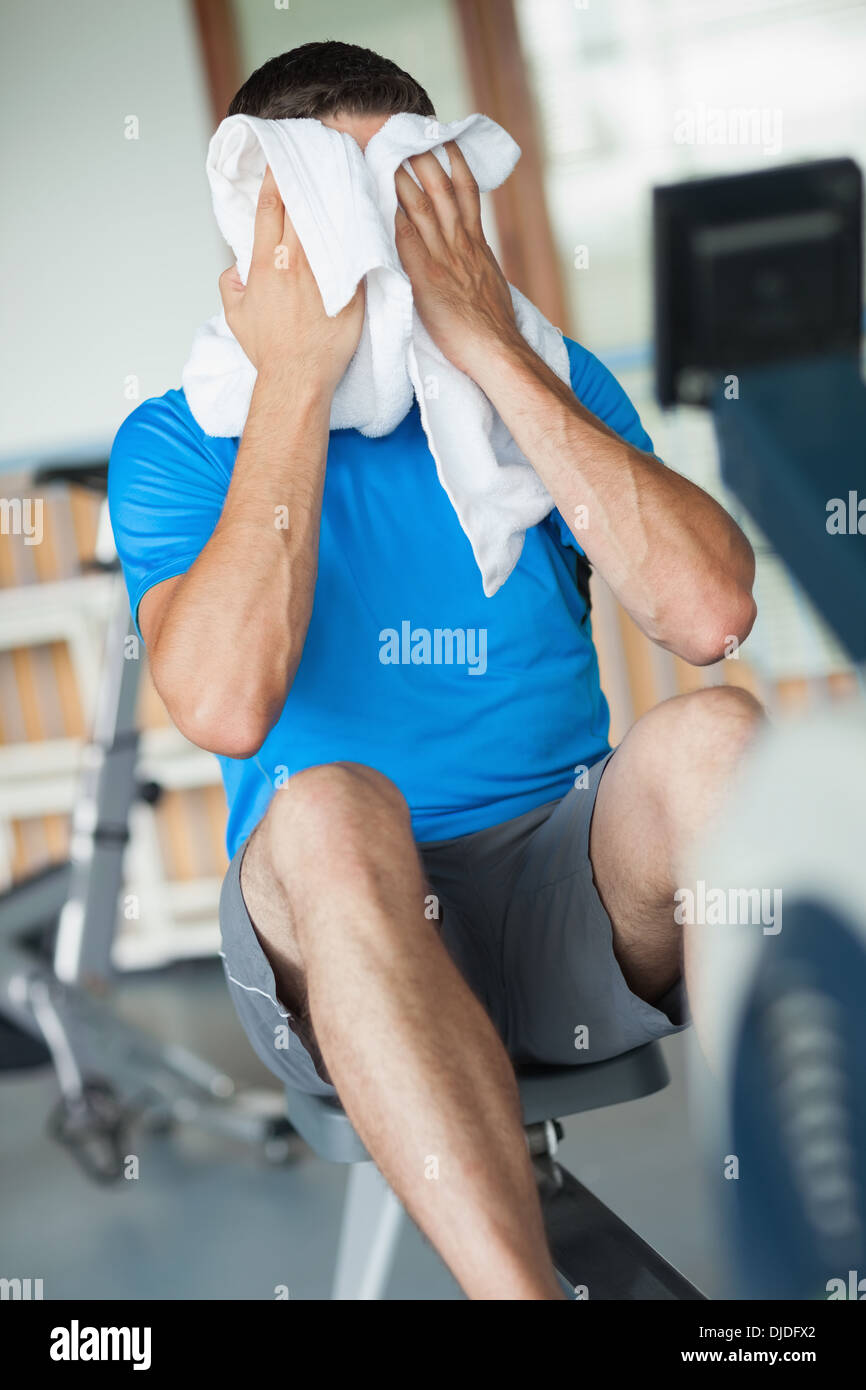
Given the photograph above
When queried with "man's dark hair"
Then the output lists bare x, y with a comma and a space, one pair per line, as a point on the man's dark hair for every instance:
319, 79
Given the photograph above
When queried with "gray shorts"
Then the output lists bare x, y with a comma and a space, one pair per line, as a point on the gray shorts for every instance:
520, 915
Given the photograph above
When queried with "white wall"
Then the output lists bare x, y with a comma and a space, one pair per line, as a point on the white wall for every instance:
421, 36
109, 254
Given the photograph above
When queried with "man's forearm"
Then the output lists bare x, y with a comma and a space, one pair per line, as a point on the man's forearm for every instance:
674, 558
230, 643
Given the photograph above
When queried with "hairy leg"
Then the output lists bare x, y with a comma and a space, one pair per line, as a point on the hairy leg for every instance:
661, 788
335, 887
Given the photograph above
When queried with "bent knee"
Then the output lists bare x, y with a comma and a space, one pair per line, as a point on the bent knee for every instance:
699, 732
722, 719
341, 801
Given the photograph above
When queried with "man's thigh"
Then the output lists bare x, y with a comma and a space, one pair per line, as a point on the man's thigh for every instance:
315, 831
535, 941
567, 999
665, 781
344, 808
274, 1018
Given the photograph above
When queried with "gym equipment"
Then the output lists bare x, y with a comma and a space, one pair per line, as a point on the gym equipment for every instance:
758, 314
754, 269
594, 1252
56, 933
786, 1011
759, 293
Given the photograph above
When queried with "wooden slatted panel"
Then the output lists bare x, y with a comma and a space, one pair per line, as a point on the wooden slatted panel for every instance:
215, 807
39, 694
29, 846
177, 835
84, 508
68, 692
40, 698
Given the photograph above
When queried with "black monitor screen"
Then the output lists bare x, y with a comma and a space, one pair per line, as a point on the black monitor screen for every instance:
755, 267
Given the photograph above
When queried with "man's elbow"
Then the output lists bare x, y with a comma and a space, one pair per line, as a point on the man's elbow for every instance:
229, 724
221, 707
228, 734
725, 622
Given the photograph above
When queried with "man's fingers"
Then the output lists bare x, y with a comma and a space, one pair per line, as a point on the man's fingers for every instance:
410, 247
274, 229
465, 188
289, 236
418, 207
270, 221
440, 190
231, 288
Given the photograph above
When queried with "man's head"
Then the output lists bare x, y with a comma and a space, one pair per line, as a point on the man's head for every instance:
340, 84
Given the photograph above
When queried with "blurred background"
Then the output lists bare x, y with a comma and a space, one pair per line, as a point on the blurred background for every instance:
110, 258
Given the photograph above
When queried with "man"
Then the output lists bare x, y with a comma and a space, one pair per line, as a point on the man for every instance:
429, 874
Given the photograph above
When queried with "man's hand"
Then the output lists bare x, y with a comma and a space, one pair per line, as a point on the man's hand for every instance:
460, 293
278, 317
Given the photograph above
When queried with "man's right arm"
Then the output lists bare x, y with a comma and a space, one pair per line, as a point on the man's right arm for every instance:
224, 640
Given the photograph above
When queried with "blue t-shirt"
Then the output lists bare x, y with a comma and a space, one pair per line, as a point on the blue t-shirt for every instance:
479, 709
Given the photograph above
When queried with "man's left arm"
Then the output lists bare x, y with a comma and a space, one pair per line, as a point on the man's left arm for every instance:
673, 557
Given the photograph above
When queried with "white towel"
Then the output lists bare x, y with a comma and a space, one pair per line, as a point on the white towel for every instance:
342, 202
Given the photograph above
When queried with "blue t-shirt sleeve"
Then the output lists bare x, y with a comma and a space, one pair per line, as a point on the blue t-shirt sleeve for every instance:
166, 488
598, 390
